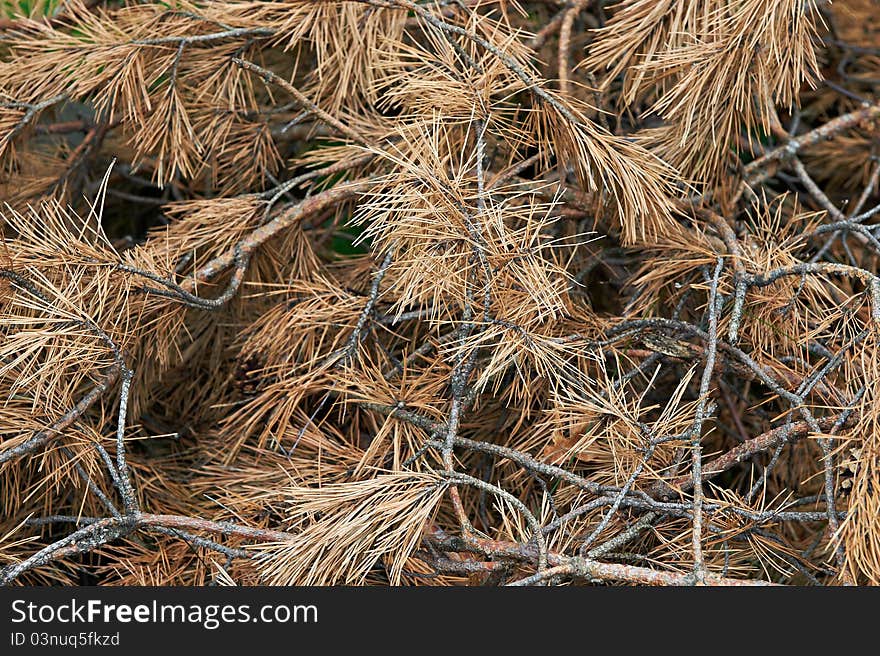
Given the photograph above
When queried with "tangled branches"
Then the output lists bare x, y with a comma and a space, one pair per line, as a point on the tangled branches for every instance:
476, 292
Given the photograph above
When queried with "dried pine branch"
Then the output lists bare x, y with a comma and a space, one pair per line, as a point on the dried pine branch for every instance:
428, 293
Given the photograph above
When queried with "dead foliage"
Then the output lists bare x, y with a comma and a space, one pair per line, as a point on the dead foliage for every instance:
440, 293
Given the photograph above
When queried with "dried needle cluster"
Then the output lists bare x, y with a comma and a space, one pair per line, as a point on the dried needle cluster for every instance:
440, 292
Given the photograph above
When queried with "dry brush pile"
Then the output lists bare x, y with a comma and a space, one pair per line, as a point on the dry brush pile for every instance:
440, 292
